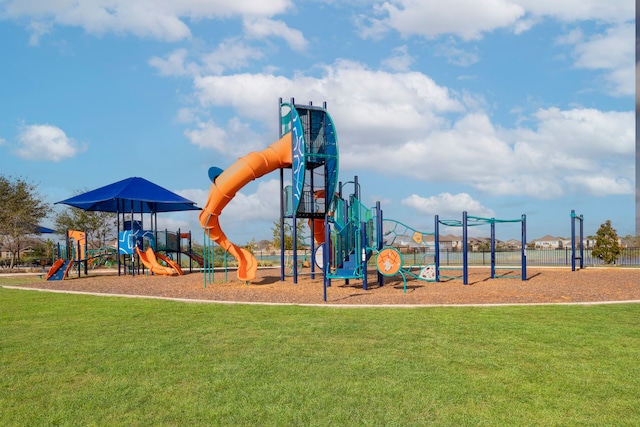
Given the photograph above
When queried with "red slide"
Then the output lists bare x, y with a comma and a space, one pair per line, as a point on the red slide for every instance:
54, 268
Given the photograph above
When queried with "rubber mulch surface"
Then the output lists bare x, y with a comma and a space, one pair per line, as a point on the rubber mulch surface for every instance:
543, 285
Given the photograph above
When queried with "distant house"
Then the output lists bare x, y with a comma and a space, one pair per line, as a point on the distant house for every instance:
263, 245
450, 241
513, 244
586, 243
549, 242
6, 254
479, 243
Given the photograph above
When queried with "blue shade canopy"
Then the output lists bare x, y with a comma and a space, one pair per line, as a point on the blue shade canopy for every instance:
131, 195
44, 230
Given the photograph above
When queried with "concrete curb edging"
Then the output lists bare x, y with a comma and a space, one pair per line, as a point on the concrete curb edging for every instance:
201, 301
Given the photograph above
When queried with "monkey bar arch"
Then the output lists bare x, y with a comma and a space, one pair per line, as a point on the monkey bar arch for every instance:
472, 221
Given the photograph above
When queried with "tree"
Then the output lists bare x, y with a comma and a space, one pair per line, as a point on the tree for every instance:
98, 226
483, 246
631, 241
607, 247
288, 235
21, 210
250, 246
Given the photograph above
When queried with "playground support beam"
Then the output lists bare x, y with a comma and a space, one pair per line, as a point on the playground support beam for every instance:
363, 253
208, 255
465, 255
493, 248
326, 257
436, 242
580, 218
294, 257
379, 232
523, 258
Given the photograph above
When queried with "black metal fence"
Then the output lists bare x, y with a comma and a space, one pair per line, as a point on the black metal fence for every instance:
630, 257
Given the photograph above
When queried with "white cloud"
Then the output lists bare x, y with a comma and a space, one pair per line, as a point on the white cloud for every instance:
231, 54
38, 29
208, 135
260, 27
173, 222
263, 204
197, 195
186, 115
159, 19
543, 162
470, 19
235, 140
576, 10
427, 133
400, 60
465, 19
353, 92
447, 205
580, 149
603, 184
46, 142
455, 55
585, 132
570, 145
614, 53
173, 64
574, 36
234, 90
525, 24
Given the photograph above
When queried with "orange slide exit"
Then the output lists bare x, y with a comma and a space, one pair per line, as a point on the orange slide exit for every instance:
148, 258
226, 185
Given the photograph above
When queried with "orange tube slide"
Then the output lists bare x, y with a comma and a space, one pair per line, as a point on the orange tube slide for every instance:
228, 183
318, 224
318, 230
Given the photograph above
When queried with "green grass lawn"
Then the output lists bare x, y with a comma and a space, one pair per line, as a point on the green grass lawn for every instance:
86, 360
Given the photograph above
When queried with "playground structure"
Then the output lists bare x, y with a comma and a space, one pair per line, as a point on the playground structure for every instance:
308, 146
178, 243
390, 261
132, 239
160, 247
342, 227
352, 235
76, 253
472, 221
131, 196
575, 257
131, 242
346, 234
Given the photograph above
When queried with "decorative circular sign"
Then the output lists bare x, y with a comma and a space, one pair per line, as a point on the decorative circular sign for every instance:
389, 261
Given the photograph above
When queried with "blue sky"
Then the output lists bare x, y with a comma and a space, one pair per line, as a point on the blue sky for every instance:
497, 107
